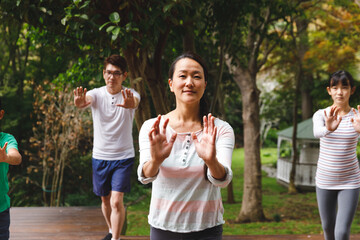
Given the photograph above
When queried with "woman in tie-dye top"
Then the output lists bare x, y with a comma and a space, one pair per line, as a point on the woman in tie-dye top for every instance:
186, 154
338, 173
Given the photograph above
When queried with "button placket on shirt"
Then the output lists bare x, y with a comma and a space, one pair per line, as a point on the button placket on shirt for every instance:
186, 150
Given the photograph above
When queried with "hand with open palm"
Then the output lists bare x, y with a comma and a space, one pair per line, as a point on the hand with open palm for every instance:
206, 147
128, 99
80, 97
160, 148
356, 120
333, 120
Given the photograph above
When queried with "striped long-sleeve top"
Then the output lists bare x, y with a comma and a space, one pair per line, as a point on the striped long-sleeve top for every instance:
182, 200
338, 166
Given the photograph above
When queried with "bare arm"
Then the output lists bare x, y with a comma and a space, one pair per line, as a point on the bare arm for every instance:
13, 156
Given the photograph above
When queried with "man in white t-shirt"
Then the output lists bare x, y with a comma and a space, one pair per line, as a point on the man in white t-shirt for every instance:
113, 107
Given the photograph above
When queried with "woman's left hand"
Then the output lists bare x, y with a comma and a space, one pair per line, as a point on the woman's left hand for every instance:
356, 119
206, 147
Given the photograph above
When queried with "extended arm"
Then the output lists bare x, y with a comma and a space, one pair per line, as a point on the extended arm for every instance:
12, 157
325, 123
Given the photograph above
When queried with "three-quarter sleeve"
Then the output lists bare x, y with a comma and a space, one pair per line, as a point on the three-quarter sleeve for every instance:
144, 146
319, 127
224, 149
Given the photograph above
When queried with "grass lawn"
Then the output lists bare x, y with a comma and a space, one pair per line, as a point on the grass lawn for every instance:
286, 214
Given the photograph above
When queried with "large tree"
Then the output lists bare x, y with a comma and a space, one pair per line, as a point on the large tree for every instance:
265, 23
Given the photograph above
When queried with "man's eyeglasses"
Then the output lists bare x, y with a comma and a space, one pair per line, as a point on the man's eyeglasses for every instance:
115, 73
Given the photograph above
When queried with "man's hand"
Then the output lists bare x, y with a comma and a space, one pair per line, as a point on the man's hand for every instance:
129, 101
80, 99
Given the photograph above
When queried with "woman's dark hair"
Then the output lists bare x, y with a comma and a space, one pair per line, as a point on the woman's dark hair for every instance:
342, 77
117, 61
203, 104
204, 110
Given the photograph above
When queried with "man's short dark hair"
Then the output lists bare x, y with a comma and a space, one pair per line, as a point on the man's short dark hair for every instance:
117, 61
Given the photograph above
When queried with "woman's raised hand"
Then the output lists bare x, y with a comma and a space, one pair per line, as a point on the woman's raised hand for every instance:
356, 120
333, 120
206, 147
160, 148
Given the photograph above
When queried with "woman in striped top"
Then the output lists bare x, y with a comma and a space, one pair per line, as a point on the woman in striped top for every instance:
186, 154
338, 173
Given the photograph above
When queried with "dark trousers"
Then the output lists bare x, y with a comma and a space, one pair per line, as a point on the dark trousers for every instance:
5, 224
214, 233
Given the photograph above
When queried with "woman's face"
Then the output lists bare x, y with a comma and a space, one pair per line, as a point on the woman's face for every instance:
340, 93
188, 81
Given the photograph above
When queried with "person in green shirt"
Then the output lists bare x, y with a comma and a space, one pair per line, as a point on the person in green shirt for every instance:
9, 154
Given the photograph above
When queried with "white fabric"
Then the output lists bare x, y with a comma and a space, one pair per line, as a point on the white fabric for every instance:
112, 125
182, 200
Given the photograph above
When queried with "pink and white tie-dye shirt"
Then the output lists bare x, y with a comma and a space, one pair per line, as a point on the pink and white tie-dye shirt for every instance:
182, 199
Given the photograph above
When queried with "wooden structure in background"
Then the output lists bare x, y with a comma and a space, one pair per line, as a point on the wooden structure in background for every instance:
308, 156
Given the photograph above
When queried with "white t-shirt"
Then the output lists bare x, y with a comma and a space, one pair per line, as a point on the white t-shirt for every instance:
112, 125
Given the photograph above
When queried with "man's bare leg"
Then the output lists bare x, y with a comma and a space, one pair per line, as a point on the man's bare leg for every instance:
106, 209
117, 217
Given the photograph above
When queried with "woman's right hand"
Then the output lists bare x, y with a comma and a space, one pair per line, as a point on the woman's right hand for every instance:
160, 148
333, 120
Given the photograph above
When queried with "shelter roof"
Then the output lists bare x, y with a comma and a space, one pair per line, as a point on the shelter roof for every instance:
304, 131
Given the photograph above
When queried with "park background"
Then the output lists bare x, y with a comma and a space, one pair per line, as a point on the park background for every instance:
269, 64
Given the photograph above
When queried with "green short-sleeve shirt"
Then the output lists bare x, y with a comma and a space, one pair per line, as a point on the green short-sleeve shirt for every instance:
4, 168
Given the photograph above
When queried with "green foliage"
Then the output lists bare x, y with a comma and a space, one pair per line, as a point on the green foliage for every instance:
86, 71
271, 139
285, 149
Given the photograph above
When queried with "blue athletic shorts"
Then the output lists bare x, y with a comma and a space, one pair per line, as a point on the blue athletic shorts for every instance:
111, 176
4, 224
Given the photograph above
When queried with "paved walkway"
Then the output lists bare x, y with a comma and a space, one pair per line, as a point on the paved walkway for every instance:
72, 223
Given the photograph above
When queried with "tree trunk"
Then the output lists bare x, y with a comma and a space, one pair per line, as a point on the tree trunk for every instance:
306, 98
230, 193
306, 78
189, 37
136, 73
301, 48
251, 209
292, 188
